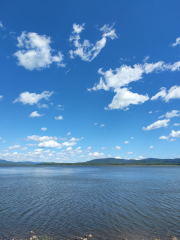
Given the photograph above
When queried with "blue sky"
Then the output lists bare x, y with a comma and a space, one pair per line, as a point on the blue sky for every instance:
89, 79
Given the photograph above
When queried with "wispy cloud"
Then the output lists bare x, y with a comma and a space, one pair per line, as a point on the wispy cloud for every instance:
86, 50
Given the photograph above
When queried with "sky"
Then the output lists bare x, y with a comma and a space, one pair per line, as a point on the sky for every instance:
82, 80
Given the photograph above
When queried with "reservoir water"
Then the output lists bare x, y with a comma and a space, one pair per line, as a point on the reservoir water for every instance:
109, 202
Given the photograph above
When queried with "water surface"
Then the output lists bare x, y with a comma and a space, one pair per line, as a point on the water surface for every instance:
110, 202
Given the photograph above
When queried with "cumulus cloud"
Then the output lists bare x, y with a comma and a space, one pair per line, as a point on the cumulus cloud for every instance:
118, 148
102, 125
163, 137
38, 138
157, 124
150, 112
173, 113
89, 148
126, 142
49, 144
124, 98
132, 137
35, 114
14, 147
151, 147
172, 93
1, 97
43, 129
32, 98
129, 152
172, 135
36, 52
86, 50
96, 154
69, 149
175, 134
177, 42
68, 144
118, 157
95, 123
68, 133
118, 80
103, 148
59, 118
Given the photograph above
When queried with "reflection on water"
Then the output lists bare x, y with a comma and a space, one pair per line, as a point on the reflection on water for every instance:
108, 202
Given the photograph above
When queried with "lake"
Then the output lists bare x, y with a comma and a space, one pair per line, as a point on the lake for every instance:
109, 202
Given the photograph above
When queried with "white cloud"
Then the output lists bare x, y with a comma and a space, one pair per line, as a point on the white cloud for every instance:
14, 147
103, 148
86, 50
102, 125
176, 124
118, 157
120, 77
36, 52
35, 114
69, 149
68, 144
124, 98
95, 123
59, 118
173, 113
43, 129
1, 97
96, 154
177, 42
151, 147
173, 93
175, 134
118, 148
38, 138
129, 152
150, 112
157, 124
89, 148
49, 144
126, 142
68, 133
32, 98
132, 137
164, 137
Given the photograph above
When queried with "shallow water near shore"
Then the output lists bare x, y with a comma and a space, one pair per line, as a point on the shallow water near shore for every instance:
109, 202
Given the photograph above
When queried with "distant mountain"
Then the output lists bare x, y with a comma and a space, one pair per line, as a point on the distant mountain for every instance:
133, 161
4, 162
